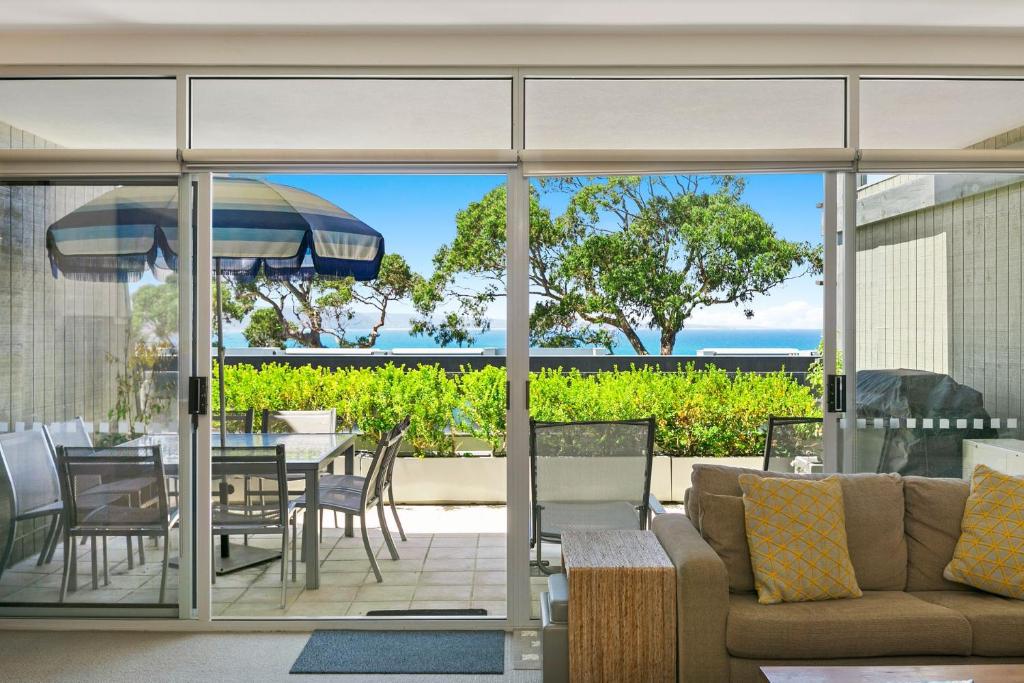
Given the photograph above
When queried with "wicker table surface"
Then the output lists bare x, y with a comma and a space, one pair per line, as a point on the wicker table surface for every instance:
622, 606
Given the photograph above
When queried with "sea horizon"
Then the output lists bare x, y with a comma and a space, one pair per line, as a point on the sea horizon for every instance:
688, 342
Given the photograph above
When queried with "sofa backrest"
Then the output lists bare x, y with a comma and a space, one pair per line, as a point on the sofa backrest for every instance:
935, 508
874, 506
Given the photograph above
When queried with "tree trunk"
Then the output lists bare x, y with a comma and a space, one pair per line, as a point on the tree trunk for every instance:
668, 341
634, 340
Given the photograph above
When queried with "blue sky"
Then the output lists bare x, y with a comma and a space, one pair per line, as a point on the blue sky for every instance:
415, 213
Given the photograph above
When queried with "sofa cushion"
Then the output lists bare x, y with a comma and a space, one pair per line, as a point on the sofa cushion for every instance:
723, 527
990, 552
874, 509
997, 623
934, 510
881, 623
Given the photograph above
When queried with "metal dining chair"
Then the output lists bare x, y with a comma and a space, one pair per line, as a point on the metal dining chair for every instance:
295, 422
74, 433
270, 515
593, 475
34, 488
793, 444
354, 482
362, 501
300, 421
235, 421
133, 501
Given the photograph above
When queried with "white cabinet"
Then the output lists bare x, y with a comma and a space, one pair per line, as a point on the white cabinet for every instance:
1005, 455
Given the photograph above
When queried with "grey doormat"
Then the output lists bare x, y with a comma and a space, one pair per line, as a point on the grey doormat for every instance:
402, 652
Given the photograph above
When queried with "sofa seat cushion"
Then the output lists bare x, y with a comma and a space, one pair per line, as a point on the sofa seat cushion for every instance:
874, 511
879, 624
997, 623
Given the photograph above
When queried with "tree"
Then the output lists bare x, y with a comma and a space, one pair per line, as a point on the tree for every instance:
309, 311
155, 311
627, 253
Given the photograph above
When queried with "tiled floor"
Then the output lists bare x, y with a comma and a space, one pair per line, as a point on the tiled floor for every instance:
454, 558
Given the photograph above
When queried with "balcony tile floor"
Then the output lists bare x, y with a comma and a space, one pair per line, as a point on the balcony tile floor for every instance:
454, 558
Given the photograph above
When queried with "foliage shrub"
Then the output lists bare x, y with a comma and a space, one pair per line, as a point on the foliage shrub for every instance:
707, 412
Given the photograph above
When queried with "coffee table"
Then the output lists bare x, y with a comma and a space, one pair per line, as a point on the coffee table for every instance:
978, 673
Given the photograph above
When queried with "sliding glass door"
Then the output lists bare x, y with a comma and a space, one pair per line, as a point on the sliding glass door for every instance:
388, 324
936, 301
90, 381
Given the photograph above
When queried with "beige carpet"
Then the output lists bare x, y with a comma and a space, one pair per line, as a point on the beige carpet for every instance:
109, 657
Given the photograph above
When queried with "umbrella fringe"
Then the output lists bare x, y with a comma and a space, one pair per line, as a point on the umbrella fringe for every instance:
100, 268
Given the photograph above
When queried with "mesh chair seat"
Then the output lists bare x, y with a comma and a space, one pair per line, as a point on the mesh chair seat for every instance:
240, 518
124, 486
351, 482
126, 518
558, 517
341, 500
43, 510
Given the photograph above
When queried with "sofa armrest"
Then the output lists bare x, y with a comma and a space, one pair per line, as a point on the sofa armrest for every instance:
702, 600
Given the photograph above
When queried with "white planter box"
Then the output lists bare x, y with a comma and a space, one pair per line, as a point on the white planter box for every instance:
482, 480
447, 481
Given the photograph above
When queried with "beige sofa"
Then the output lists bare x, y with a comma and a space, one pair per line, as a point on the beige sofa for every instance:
901, 533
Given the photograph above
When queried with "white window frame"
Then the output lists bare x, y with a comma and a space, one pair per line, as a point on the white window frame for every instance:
197, 165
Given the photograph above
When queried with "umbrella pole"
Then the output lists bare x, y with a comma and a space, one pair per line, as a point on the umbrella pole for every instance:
220, 355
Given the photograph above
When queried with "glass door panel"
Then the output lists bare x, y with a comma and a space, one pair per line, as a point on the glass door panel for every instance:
938, 324
89, 309
388, 304
645, 305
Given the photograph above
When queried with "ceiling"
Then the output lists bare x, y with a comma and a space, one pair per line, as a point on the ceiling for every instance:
916, 16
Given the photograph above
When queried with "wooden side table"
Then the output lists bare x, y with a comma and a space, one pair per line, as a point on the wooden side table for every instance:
622, 607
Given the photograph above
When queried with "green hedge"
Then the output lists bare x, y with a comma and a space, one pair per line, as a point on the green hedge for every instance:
705, 413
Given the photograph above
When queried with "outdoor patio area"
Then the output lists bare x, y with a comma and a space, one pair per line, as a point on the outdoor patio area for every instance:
454, 558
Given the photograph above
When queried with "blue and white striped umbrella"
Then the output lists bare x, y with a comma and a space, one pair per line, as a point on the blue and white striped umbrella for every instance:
258, 227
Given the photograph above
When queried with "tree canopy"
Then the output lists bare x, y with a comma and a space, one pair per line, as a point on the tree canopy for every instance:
626, 254
309, 312
155, 311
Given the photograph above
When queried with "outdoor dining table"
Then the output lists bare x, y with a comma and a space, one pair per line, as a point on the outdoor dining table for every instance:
306, 454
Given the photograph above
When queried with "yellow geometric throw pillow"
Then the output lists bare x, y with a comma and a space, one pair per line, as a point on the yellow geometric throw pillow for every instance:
990, 552
796, 530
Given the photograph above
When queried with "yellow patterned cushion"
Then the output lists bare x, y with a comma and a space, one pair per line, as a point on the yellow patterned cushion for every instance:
796, 530
990, 552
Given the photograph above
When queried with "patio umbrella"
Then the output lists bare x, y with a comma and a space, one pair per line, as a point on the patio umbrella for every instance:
259, 227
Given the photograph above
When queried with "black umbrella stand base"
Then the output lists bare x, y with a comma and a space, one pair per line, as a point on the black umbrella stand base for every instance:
244, 556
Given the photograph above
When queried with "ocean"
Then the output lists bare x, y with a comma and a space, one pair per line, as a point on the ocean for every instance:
688, 342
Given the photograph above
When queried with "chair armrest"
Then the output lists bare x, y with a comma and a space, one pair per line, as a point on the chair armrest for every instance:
654, 505
702, 600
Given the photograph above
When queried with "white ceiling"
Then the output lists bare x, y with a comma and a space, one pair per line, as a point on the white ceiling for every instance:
619, 15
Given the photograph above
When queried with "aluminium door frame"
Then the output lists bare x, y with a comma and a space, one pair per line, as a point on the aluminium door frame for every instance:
52, 164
